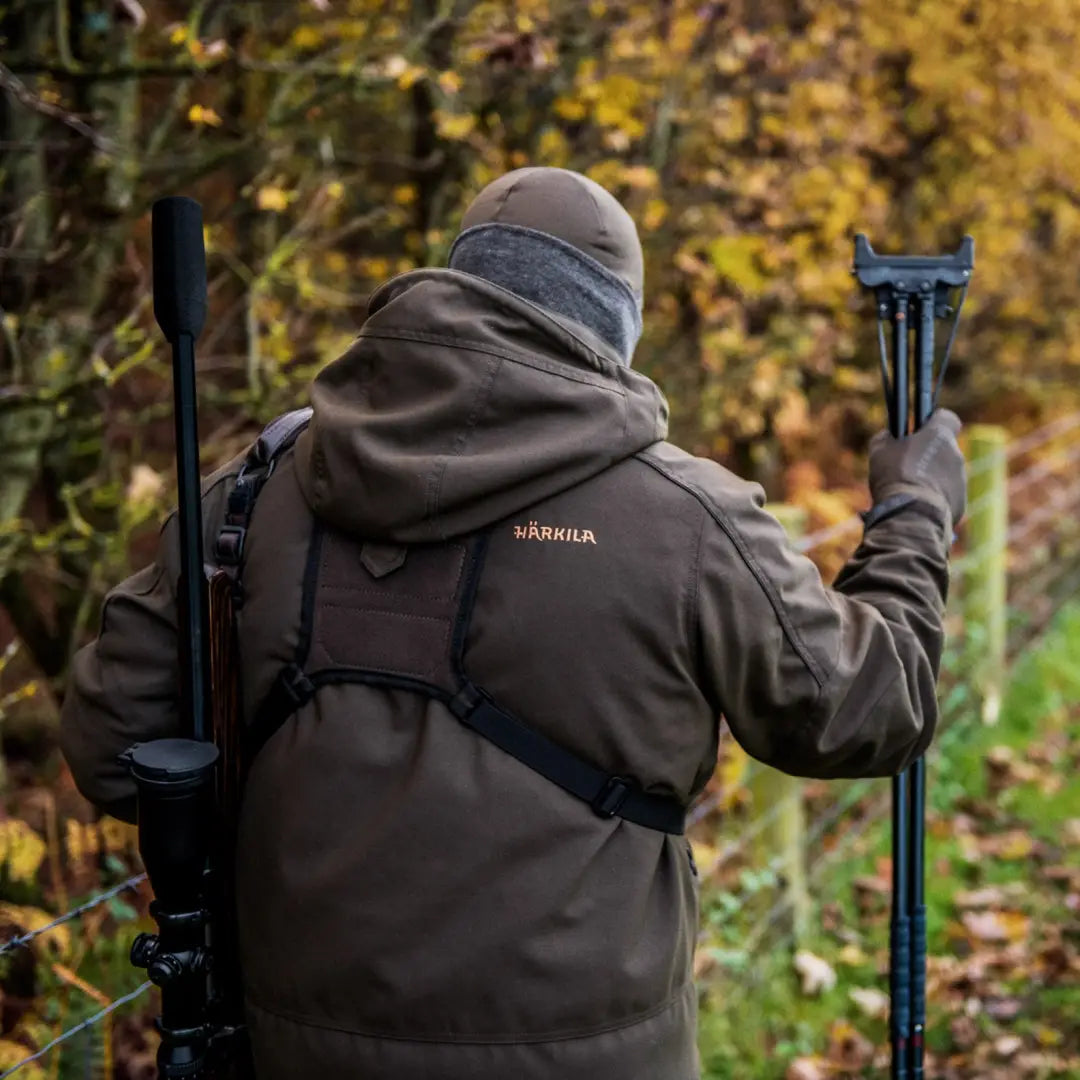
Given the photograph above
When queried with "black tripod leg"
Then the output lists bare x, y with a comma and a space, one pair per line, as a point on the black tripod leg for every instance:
900, 928
924, 405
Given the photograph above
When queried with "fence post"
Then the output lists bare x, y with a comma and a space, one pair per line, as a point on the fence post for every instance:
984, 587
779, 799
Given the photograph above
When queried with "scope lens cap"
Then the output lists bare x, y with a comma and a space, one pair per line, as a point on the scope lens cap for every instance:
172, 760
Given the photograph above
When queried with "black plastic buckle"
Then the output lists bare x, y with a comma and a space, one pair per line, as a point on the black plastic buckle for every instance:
609, 799
466, 701
229, 546
296, 686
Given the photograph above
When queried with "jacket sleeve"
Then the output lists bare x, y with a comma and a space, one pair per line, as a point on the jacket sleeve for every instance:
123, 687
817, 681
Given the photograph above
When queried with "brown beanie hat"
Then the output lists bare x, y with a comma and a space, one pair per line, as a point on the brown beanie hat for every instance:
559, 240
569, 206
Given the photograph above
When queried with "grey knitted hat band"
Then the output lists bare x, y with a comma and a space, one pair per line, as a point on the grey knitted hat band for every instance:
555, 275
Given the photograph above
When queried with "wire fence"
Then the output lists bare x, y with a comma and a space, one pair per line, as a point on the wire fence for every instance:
1042, 548
1037, 557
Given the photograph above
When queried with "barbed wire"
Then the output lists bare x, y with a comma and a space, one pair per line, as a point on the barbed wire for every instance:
96, 901
90, 1021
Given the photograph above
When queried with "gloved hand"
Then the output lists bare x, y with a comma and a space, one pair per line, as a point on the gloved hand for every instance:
927, 464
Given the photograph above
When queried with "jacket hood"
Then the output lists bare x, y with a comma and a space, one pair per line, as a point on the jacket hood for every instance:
461, 403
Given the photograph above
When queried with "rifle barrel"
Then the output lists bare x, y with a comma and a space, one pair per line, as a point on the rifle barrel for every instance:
180, 309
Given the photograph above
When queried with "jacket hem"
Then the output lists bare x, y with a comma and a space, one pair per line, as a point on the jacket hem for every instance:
511, 1038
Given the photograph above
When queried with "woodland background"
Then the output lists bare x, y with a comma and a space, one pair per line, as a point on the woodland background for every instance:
334, 143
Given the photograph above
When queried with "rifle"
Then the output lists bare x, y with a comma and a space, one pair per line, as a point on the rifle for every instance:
188, 788
901, 283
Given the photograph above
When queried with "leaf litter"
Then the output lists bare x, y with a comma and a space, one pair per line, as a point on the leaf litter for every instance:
1005, 965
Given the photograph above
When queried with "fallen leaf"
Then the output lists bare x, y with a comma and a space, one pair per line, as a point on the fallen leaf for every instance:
817, 975
1011, 845
1003, 1008
964, 1031
848, 1048
992, 896
806, 1068
852, 956
996, 926
870, 1002
1007, 1045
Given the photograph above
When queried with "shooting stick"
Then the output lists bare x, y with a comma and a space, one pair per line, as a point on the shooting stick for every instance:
912, 291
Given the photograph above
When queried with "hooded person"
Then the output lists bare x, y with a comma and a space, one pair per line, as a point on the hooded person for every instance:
491, 621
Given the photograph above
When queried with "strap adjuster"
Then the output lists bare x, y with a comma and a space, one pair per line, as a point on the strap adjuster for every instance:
609, 799
229, 546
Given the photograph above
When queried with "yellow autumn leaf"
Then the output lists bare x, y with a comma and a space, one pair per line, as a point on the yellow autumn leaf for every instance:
705, 856
656, 212
640, 177
306, 37
404, 194
449, 82
552, 147
336, 262
29, 919
272, 198
374, 267
1047, 1036
335, 189
81, 840
731, 773
179, 34
118, 836
454, 126
12, 1052
570, 109
410, 76
826, 506
21, 849
735, 258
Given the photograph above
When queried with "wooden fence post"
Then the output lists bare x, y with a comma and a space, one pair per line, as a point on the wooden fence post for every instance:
985, 574
778, 800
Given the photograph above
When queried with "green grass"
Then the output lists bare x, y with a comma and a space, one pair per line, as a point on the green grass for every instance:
754, 1018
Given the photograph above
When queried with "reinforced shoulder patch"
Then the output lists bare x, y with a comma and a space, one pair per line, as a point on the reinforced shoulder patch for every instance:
398, 623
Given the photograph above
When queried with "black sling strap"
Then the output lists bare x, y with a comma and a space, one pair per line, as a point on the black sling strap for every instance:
261, 459
606, 794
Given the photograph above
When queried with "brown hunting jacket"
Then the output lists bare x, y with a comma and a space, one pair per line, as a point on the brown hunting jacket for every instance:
415, 903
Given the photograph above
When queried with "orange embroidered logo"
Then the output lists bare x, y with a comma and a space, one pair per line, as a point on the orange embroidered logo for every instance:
533, 531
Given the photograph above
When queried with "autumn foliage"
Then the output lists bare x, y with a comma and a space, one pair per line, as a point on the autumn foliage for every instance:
334, 143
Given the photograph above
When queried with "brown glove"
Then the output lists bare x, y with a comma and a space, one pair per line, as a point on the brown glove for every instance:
927, 464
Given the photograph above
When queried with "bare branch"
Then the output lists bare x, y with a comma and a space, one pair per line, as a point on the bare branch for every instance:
26, 97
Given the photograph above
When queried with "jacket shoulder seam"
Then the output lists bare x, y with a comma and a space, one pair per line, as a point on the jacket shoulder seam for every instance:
692, 607
728, 526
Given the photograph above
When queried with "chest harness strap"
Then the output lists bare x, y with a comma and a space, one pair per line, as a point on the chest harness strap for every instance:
373, 615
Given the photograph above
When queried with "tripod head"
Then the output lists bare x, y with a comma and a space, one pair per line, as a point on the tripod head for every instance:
899, 283
913, 273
